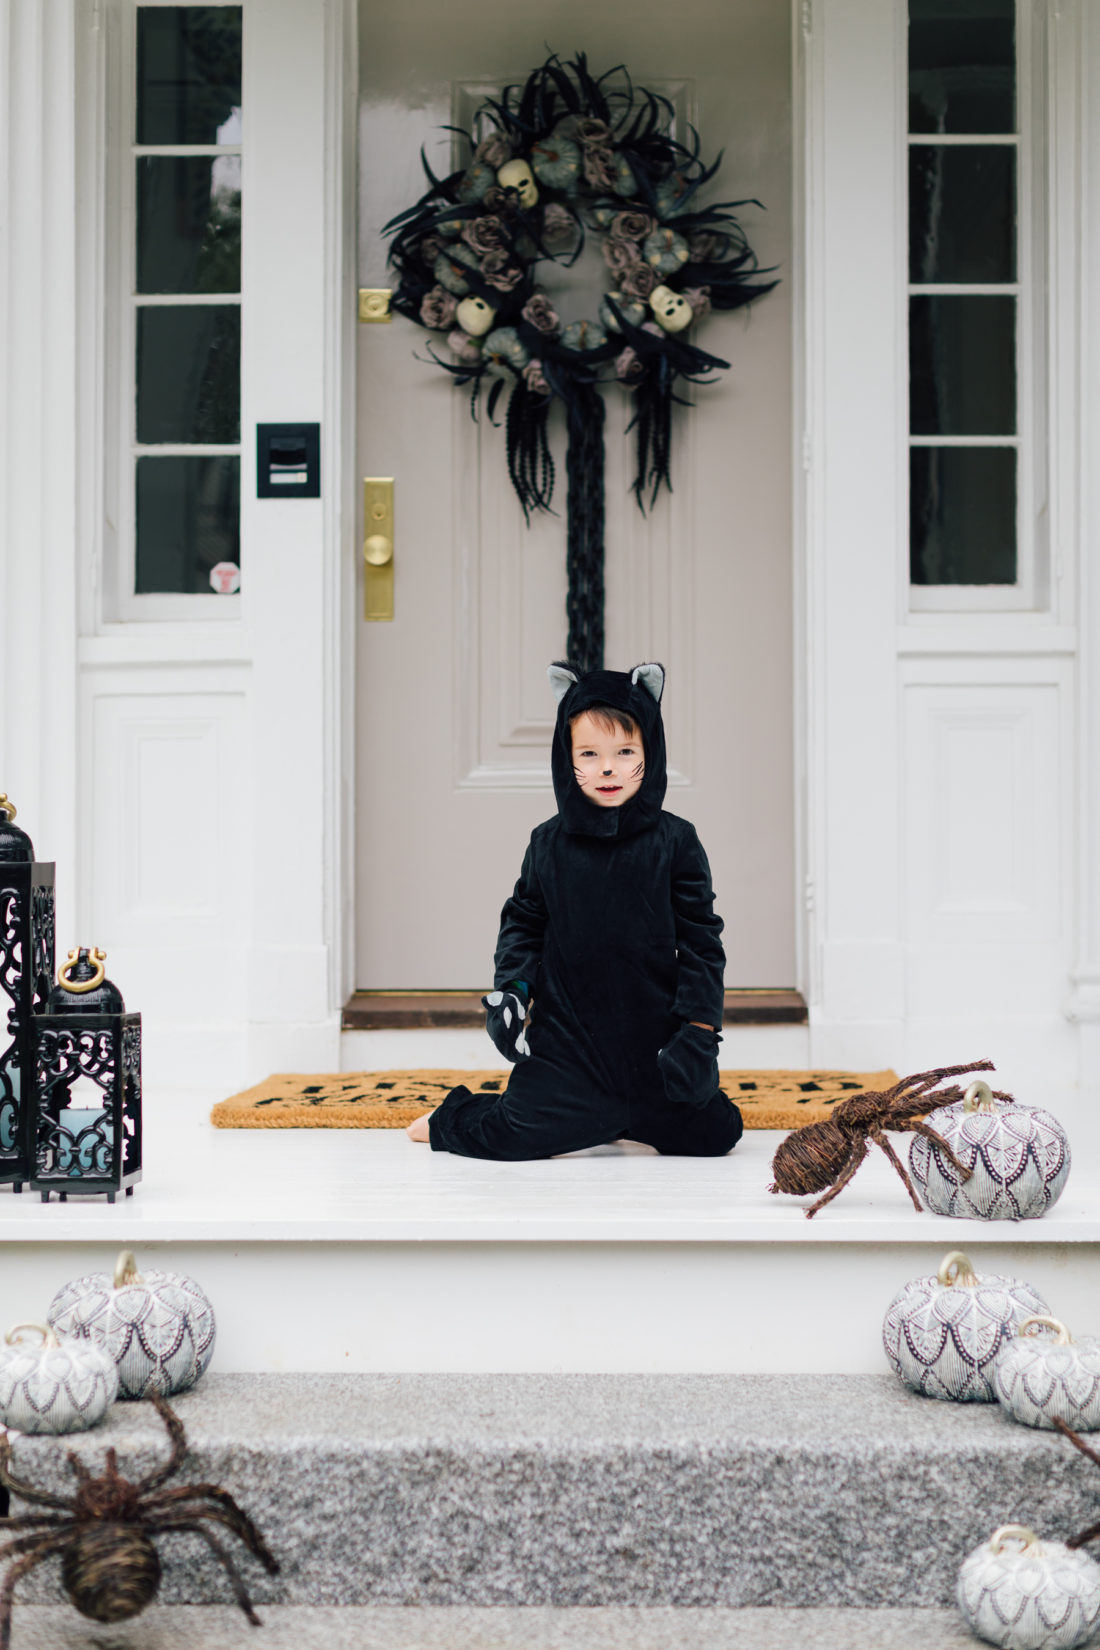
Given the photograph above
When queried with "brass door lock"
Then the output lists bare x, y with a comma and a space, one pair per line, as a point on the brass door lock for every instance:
378, 547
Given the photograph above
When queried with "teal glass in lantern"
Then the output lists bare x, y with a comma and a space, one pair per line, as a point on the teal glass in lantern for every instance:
87, 1085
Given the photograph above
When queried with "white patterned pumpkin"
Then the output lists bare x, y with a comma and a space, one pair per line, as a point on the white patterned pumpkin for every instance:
53, 1386
1040, 1380
1018, 1156
943, 1334
1026, 1594
157, 1326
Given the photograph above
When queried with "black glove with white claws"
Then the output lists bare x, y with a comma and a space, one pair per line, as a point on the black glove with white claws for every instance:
689, 1065
505, 1013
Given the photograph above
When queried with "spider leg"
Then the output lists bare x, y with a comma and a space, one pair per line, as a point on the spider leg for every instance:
239, 1591
937, 1140
82, 1473
1086, 1535
27, 1492
881, 1141
178, 1439
30, 1521
856, 1156
1067, 1432
34, 1549
232, 1515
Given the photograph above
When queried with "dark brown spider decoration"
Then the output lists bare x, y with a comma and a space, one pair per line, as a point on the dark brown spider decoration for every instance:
824, 1156
1067, 1432
109, 1567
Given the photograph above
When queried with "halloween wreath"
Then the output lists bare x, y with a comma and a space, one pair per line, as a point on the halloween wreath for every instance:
562, 156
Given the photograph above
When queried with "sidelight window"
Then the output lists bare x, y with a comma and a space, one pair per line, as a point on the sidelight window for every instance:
183, 399
971, 489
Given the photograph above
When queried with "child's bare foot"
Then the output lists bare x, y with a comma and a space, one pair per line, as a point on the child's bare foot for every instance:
418, 1128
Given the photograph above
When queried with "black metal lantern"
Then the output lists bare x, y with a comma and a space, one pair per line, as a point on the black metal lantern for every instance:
87, 1088
26, 970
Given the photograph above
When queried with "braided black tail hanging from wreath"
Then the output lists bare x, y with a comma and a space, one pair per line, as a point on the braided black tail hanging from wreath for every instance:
564, 155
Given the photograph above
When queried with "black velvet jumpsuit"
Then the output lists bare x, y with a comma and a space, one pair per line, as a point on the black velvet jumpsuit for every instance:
612, 928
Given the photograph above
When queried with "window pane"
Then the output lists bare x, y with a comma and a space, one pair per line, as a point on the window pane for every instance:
189, 223
189, 74
962, 213
962, 515
189, 373
188, 520
962, 366
962, 66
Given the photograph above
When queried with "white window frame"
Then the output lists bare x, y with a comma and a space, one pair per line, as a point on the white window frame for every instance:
1031, 591
121, 449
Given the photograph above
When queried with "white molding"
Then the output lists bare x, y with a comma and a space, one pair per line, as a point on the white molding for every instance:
1077, 55
340, 495
808, 457
38, 423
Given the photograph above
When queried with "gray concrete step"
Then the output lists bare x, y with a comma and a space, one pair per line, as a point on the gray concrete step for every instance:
286, 1627
567, 1491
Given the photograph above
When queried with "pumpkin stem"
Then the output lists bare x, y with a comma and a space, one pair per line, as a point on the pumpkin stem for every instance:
1039, 1320
126, 1270
1012, 1532
49, 1339
956, 1270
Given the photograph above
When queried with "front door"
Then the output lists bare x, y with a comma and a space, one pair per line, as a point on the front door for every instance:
454, 714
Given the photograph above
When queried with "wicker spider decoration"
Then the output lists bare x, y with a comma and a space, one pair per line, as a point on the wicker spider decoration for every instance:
110, 1569
824, 1156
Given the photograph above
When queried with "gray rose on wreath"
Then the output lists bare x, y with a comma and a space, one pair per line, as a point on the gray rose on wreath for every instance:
437, 307
620, 255
638, 281
540, 313
535, 379
483, 235
494, 150
462, 346
558, 224
632, 226
499, 272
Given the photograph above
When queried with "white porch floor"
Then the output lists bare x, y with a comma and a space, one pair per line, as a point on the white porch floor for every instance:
357, 1250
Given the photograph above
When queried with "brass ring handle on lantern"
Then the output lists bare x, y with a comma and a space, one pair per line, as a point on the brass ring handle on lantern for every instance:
1039, 1320
979, 1097
96, 957
956, 1271
49, 1339
1012, 1532
7, 808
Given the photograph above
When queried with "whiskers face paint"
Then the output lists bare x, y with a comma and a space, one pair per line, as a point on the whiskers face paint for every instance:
608, 761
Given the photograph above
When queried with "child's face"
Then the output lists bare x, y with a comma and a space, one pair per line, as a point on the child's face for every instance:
609, 763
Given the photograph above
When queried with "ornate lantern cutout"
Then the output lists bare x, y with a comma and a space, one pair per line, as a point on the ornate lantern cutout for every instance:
26, 969
87, 1113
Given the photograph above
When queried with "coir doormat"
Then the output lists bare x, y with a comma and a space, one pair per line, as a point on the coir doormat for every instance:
392, 1099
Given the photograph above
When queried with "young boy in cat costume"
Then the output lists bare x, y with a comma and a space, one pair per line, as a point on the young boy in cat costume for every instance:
611, 934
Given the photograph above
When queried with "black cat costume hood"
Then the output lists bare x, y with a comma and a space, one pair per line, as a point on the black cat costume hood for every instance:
611, 932
638, 693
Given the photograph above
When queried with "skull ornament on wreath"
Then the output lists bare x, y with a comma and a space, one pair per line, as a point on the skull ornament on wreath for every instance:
564, 155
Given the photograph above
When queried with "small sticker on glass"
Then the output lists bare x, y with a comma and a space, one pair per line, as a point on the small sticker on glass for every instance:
225, 578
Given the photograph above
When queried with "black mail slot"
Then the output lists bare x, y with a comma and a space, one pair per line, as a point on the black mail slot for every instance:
288, 460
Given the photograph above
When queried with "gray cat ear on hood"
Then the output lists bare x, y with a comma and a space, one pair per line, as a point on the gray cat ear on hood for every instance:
651, 677
561, 679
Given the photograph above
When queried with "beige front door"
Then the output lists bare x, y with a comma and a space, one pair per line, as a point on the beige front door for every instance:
454, 715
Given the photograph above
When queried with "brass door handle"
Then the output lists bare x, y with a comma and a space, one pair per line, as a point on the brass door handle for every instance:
378, 547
